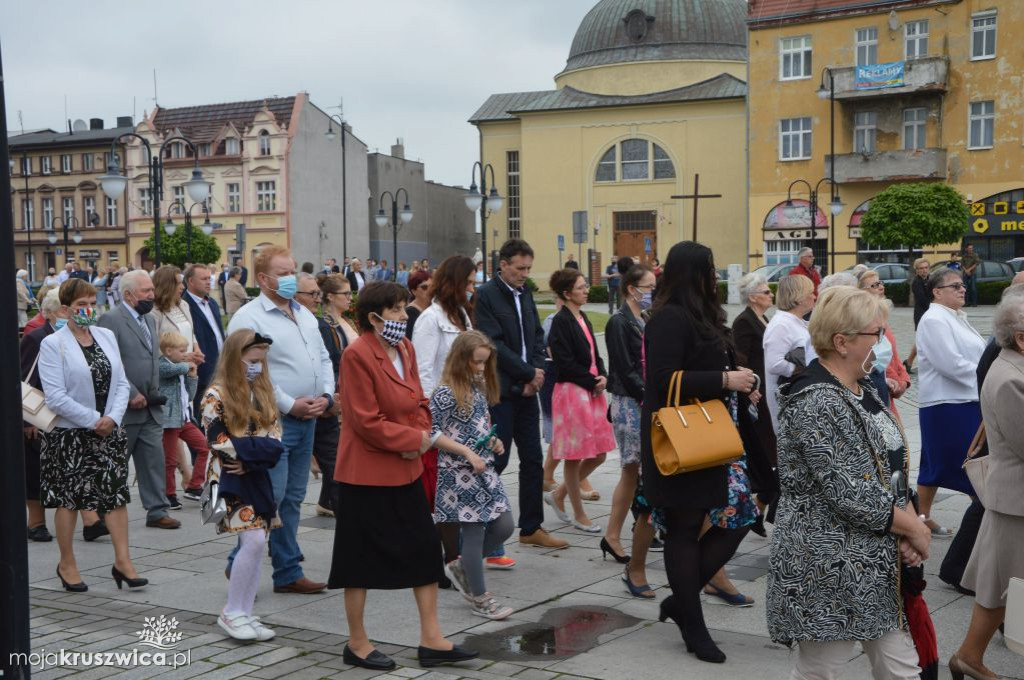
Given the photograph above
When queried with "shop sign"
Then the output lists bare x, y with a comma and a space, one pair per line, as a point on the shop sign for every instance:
997, 218
855, 232
794, 234
87, 254
879, 76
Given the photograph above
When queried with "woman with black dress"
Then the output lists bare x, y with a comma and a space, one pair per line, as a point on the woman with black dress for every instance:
84, 459
922, 300
687, 332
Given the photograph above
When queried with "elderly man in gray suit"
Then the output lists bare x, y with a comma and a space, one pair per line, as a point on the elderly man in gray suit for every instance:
140, 352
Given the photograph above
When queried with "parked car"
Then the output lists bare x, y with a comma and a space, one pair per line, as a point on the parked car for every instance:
889, 272
774, 272
988, 270
1017, 263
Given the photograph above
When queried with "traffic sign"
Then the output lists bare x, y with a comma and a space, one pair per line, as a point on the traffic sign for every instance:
561, 241
647, 244
579, 226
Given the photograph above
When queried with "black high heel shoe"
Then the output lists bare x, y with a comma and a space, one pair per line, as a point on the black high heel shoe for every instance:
132, 582
703, 647
607, 548
79, 587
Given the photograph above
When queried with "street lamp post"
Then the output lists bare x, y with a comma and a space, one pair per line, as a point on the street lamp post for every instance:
480, 199
29, 262
835, 207
114, 182
398, 218
830, 94
170, 227
330, 134
51, 234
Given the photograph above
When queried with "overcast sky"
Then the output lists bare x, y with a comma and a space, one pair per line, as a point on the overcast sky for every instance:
415, 69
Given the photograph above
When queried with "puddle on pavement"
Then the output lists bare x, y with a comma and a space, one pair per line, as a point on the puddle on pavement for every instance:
561, 633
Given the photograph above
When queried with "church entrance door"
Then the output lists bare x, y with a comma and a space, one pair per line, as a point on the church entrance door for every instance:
636, 235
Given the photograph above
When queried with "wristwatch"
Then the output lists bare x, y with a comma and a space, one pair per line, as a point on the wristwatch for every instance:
330, 400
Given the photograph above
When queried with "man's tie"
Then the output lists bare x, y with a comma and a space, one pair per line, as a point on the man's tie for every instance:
145, 331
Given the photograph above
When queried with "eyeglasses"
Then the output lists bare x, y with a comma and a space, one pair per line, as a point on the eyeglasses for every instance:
766, 291
876, 334
346, 293
954, 286
651, 287
315, 295
877, 284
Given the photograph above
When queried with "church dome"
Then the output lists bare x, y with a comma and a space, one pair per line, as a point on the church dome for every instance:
628, 31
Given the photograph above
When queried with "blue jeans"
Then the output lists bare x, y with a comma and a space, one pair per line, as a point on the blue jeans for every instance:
289, 478
971, 298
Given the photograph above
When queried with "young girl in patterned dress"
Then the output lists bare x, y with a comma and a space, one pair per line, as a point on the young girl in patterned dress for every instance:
469, 490
240, 403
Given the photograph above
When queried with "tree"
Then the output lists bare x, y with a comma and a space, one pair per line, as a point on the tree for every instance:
916, 215
174, 248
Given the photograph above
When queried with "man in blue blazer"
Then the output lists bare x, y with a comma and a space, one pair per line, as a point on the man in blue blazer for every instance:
209, 330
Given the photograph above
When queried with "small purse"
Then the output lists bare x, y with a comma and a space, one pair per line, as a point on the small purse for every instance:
976, 466
212, 507
33, 404
694, 436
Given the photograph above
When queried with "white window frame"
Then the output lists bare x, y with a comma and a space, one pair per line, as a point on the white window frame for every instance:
179, 194
266, 196
646, 162
87, 162
513, 176
980, 24
915, 124
111, 212
234, 196
26, 165
866, 40
865, 132
264, 143
145, 201
46, 165
913, 35
232, 146
782, 252
47, 213
177, 150
793, 52
981, 118
204, 149
89, 204
65, 163
28, 214
67, 209
796, 136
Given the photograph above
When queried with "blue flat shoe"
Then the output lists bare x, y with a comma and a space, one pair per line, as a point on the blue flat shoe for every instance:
644, 590
733, 600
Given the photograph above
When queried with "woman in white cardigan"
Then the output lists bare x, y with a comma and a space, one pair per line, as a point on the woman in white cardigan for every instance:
948, 351
448, 315
84, 459
786, 332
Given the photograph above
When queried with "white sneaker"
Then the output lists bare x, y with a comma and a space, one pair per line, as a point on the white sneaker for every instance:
237, 627
262, 632
457, 575
561, 514
487, 607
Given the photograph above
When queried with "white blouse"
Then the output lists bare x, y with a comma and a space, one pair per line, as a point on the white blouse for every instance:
785, 332
948, 349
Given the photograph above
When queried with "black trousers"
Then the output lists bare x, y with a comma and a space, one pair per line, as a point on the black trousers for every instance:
962, 545
325, 450
518, 419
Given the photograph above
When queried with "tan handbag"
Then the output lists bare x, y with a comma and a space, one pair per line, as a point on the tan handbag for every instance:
694, 436
34, 410
977, 467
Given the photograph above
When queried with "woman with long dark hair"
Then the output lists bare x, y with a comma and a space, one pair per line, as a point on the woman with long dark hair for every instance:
687, 332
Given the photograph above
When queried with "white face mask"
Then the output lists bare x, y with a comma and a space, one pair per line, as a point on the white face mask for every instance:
252, 370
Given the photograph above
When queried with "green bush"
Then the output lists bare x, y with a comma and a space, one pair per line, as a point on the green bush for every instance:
531, 285
991, 292
723, 292
252, 292
899, 293
598, 294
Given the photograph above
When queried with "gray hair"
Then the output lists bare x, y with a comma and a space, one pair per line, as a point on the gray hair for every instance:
805, 251
302, 276
858, 268
749, 283
939, 276
1009, 319
130, 280
51, 303
837, 279
235, 271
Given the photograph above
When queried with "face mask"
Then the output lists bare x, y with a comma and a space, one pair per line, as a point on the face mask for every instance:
60, 323
883, 355
85, 317
646, 300
393, 331
287, 286
469, 295
252, 371
144, 307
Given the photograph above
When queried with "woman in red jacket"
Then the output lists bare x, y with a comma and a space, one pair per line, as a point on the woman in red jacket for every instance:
385, 536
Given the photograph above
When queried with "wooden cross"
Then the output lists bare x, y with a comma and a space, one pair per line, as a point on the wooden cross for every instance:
696, 196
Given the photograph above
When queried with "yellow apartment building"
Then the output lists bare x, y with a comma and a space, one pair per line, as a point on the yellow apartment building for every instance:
921, 90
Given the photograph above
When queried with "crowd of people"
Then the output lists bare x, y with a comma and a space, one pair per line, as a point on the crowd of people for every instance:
408, 403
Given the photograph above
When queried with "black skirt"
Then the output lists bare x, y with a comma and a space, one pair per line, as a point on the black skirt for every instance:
384, 538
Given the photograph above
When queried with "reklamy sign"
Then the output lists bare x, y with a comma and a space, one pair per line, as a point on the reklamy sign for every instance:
878, 76
997, 218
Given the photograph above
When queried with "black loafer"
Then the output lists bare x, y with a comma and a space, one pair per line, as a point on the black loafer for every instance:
39, 534
429, 658
375, 661
93, 531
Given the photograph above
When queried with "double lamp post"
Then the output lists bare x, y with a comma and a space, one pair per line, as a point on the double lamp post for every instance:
479, 199
398, 219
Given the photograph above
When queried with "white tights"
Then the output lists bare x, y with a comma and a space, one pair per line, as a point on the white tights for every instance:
245, 572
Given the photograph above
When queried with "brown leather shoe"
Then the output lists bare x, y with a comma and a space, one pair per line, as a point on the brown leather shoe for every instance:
542, 539
163, 523
303, 586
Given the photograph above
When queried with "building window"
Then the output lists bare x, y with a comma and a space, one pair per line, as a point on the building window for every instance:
87, 162
204, 149
867, 46
145, 202
982, 124
606, 167
864, 131
234, 198
69, 210
232, 147
65, 163
177, 150
782, 252
107, 160
46, 165
794, 139
266, 196
90, 210
915, 39
512, 172
914, 128
111, 212
26, 165
663, 168
27, 213
634, 159
983, 35
179, 194
47, 213
795, 58
264, 143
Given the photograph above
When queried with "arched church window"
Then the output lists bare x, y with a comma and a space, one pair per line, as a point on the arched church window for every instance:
635, 153
634, 160
606, 167
663, 168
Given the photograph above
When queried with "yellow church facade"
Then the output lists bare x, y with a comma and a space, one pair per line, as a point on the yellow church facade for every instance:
653, 95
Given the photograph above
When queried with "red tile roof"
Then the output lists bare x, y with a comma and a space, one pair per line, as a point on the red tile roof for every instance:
202, 123
762, 13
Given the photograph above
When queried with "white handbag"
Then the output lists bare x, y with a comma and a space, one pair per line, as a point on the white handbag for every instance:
33, 404
976, 466
1014, 619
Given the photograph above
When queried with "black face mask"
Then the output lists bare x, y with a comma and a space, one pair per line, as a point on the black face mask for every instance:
143, 307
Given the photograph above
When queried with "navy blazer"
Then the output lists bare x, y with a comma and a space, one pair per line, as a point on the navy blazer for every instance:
205, 336
494, 311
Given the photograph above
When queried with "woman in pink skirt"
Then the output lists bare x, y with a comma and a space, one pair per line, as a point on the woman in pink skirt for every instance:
581, 433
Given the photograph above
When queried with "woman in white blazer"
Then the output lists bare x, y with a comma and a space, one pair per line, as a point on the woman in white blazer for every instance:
436, 329
786, 332
84, 459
